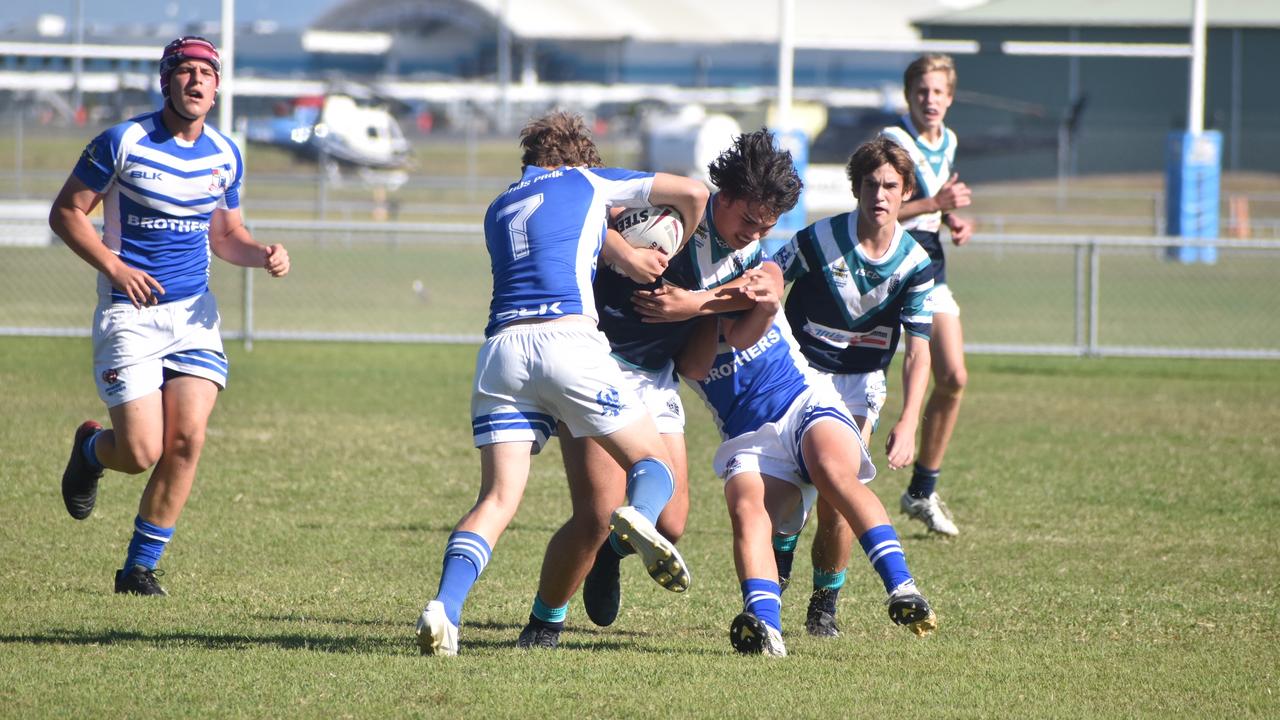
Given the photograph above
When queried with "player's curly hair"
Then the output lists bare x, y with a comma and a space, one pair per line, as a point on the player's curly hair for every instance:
927, 63
757, 171
881, 151
558, 139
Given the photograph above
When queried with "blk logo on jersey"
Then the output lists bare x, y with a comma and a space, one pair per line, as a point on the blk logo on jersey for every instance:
610, 402
542, 309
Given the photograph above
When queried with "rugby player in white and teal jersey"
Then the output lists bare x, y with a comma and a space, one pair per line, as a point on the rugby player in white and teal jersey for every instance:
756, 183
169, 188
787, 438
859, 285
929, 83
544, 365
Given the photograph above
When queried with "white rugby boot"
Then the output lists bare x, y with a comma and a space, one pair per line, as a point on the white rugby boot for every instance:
436, 635
931, 511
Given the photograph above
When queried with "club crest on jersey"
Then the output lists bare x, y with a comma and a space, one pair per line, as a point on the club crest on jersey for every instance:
895, 282
219, 181
840, 272
610, 402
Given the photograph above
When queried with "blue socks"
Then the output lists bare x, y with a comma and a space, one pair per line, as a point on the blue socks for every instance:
90, 452
881, 545
923, 482
147, 544
763, 598
465, 557
650, 485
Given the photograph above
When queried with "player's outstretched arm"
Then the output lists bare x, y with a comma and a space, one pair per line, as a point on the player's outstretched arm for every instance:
69, 219
686, 195
671, 303
900, 445
232, 242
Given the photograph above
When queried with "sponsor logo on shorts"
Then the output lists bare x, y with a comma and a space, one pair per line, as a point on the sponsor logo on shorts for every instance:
110, 375
610, 402
674, 407
733, 467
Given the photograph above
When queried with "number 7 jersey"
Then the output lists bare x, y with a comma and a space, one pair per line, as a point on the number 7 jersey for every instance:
544, 234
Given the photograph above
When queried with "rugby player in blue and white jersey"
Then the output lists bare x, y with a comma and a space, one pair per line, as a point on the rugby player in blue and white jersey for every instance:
756, 183
859, 280
545, 364
169, 187
930, 83
787, 438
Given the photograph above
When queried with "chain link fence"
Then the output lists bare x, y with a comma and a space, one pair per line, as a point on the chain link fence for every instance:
430, 282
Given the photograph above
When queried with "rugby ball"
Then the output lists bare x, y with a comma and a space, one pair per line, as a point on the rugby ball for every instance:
655, 228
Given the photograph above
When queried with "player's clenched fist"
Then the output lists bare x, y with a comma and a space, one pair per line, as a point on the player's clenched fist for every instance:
277, 261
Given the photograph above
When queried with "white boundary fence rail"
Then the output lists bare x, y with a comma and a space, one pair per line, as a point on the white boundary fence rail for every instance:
429, 283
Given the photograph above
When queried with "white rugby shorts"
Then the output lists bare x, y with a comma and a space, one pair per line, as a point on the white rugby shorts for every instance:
132, 347
659, 392
863, 393
940, 301
528, 376
775, 450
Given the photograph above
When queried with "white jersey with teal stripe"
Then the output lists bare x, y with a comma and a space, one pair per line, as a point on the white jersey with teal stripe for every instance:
159, 193
849, 309
934, 166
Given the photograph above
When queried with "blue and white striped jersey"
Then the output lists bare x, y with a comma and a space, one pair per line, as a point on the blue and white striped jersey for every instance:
544, 235
158, 195
934, 165
705, 262
748, 388
848, 309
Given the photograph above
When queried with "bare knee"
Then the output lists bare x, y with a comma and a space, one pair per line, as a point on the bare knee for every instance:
136, 455
951, 382
185, 444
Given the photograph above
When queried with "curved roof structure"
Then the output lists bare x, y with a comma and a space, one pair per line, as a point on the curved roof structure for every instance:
823, 22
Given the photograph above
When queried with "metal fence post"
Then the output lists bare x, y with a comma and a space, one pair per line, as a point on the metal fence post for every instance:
1081, 289
1093, 297
248, 309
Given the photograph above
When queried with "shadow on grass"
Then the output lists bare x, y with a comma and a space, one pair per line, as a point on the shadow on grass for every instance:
336, 644
216, 641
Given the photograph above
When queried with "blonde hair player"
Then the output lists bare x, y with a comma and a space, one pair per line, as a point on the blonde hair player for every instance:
930, 85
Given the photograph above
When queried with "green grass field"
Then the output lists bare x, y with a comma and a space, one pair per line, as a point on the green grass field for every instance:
1118, 559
